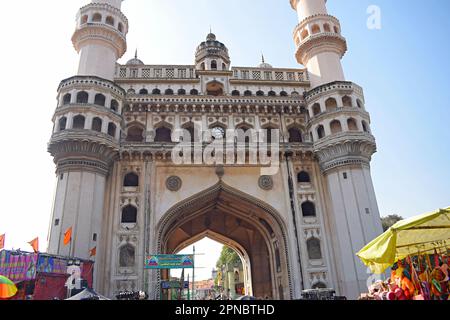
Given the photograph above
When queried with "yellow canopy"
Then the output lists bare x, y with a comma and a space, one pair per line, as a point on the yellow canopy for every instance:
420, 234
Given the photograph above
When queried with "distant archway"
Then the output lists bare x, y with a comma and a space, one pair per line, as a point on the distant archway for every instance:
214, 88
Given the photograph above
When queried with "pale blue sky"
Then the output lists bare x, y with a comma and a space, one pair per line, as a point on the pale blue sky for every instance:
404, 69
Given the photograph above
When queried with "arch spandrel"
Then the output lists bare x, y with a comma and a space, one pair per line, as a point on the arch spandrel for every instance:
198, 179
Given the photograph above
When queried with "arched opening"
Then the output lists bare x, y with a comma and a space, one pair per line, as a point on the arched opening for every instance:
235, 93
272, 94
320, 131
100, 100
308, 209
315, 29
335, 126
304, 34
110, 21
66, 99
331, 104
97, 17
314, 249
194, 92
365, 126
129, 214
181, 92
259, 93
295, 135
283, 94
97, 124
84, 19
131, 91
336, 29
114, 105
190, 133
316, 109
202, 66
247, 93
163, 134
359, 104
294, 94
143, 91
135, 134
156, 91
213, 65
224, 66
220, 213
82, 97
131, 180
347, 102
112, 129
120, 27
214, 89
326, 27
62, 124
127, 256
169, 92
303, 177
78, 122
352, 126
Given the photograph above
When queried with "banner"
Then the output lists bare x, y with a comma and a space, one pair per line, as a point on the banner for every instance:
174, 285
168, 261
18, 266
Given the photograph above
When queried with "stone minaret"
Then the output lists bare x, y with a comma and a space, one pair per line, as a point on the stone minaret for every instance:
100, 38
343, 143
86, 134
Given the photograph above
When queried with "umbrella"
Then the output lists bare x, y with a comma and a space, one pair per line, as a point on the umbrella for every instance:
7, 288
417, 235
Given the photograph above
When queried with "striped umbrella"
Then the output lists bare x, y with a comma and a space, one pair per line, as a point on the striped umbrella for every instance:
7, 288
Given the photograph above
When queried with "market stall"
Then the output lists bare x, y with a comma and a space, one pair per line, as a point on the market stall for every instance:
417, 251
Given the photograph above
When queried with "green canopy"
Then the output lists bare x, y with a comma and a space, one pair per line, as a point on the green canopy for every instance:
417, 235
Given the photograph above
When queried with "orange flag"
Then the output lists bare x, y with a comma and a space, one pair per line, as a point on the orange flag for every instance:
35, 244
2, 241
93, 252
68, 236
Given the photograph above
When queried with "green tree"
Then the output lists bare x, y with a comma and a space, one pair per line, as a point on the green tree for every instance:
227, 256
390, 220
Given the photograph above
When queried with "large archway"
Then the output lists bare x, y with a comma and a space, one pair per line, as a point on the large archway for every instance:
251, 227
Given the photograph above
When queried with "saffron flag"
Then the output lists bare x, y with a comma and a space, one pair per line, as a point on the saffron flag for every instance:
68, 236
93, 252
35, 245
2, 241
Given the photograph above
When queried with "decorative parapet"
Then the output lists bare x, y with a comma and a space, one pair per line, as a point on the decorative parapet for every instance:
88, 82
343, 86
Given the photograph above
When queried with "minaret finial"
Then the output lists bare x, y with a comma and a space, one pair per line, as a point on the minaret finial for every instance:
135, 54
263, 60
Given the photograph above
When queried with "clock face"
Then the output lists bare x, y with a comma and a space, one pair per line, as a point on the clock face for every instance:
218, 133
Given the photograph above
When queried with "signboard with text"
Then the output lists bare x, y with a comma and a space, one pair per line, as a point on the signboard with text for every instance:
169, 261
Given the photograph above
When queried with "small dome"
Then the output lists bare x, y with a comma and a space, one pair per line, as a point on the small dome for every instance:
211, 37
264, 65
135, 61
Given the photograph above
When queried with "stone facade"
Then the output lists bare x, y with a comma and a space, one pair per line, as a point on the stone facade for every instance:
120, 190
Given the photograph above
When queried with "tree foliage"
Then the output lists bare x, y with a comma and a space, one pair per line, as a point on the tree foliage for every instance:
227, 256
390, 220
